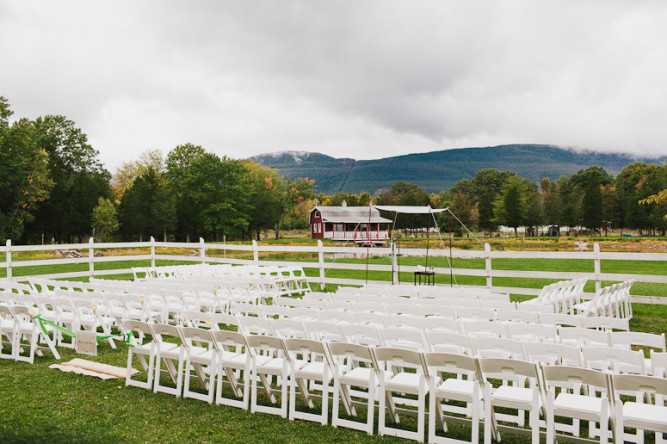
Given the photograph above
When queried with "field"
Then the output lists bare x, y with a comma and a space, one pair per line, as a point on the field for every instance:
39, 404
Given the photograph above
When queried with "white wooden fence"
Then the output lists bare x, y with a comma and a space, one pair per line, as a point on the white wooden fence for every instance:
323, 266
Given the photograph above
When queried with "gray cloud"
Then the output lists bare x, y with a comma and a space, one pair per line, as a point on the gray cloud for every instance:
348, 78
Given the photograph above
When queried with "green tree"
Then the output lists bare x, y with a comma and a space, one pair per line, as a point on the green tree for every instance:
266, 188
487, 184
78, 176
552, 208
105, 219
180, 163
511, 208
24, 181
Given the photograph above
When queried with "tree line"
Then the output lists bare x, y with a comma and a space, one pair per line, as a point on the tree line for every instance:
53, 188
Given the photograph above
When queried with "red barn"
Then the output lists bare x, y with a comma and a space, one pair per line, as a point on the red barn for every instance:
358, 224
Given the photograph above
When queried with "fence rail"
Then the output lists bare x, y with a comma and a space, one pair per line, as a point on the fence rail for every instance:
201, 248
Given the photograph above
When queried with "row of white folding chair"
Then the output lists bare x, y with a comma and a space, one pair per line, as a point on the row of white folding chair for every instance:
21, 330
71, 310
474, 340
393, 371
561, 296
612, 301
509, 329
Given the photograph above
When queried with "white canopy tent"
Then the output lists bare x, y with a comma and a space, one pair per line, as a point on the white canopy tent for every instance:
405, 209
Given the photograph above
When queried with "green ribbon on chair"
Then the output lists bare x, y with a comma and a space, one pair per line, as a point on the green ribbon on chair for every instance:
42, 322
123, 336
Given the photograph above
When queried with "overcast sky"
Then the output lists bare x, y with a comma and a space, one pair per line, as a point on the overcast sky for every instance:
360, 79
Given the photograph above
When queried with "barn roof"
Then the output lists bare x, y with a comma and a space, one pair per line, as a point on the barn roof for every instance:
351, 215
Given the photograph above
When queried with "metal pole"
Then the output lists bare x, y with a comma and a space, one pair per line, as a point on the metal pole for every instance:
428, 237
451, 260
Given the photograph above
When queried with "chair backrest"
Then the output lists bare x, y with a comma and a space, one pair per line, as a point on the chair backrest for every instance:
446, 342
451, 363
584, 336
289, 328
325, 331
166, 329
403, 338
613, 358
224, 339
659, 364
560, 375
441, 324
508, 368
141, 327
400, 357
498, 348
629, 338
305, 346
363, 335
553, 353
355, 352
265, 343
649, 385
197, 335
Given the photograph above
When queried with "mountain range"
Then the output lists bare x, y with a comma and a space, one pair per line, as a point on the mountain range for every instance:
439, 170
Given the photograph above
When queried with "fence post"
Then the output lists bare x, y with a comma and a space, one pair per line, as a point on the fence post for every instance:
202, 250
91, 259
152, 252
320, 258
596, 264
255, 252
487, 265
8, 253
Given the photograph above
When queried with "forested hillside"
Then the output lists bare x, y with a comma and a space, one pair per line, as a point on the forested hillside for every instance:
440, 170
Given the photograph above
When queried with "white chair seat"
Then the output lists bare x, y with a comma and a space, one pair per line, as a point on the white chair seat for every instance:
403, 381
457, 387
638, 413
312, 370
511, 394
358, 376
568, 403
232, 359
272, 366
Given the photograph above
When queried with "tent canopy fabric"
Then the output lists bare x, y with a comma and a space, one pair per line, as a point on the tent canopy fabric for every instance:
406, 209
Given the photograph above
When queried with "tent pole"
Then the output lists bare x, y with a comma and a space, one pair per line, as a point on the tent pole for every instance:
451, 265
428, 230
368, 245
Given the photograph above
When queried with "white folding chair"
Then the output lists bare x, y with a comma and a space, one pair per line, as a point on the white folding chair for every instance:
401, 372
8, 331
529, 317
645, 410
169, 355
200, 357
309, 362
269, 359
519, 390
452, 380
572, 392
142, 345
36, 334
234, 368
354, 367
